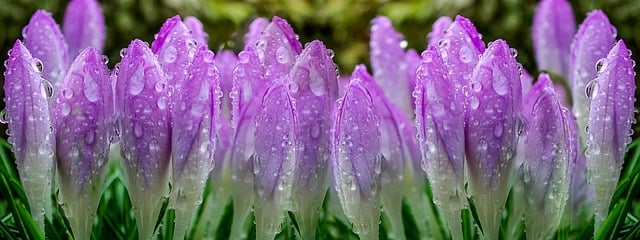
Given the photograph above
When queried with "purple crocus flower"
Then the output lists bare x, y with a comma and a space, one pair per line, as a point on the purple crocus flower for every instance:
460, 48
266, 165
356, 160
491, 132
43, 38
610, 118
552, 32
313, 85
29, 124
441, 137
549, 148
83, 26
142, 109
594, 39
82, 121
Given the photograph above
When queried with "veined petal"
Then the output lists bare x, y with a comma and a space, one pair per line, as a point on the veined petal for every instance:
610, 118
357, 159
277, 49
552, 32
412, 59
440, 123
387, 61
256, 28
594, 39
197, 30
82, 120
547, 149
143, 119
175, 48
248, 81
491, 132
84, 26
194, 138
30, 135
313, 84
45, 41
438, 30
274, 159
460, 48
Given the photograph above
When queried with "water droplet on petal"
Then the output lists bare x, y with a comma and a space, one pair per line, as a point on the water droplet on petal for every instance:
66, 92
282, 55
65, 109
601, 64
47, 88
594, 148
465, 54
474, 103
136, 84
162, 103
36, 64
589, 89
497, 131
160, 86
154, 146
3, 116
89, 137
404, 44
170, 54
293, 87
123, 52
476, 86
315, 131
514, 52
331, 53
137, 130
499, 84
316, 83
91, 90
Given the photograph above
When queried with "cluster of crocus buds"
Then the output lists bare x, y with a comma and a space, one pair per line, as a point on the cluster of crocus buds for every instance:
281, 129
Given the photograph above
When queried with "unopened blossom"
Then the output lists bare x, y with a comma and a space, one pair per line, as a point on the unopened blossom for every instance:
491, 132
552, 32
549, 147
610, 119
142, 111
263, 154
441, 137
83, 26
29, 122
82, 122
594, 39
43, 38
394, 71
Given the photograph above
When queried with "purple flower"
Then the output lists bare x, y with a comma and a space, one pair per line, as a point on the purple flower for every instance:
552, 32
142, 109
441, 137
29, 123
549, 148
610, 119
491, 132
83, 26
43, 38
313, 85
460, 48
82, 122
357, 157
194, 136
594, 39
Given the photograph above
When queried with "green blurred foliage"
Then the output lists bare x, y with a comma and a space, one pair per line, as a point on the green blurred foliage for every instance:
343, 25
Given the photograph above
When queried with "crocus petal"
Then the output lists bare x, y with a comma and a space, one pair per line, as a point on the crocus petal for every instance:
412, 59
460, 48
438, 30
387, 61
441, 136
610, 118
226, 61
273, 160
526, 81
142, 104
175, 48
82, 118
194, 139
277, 48
45, 41
28, 117
552, 32
197, 30
256, 28
313, 84
491, 132
546, 159
248, 81
594, 39
83, 26
356, 160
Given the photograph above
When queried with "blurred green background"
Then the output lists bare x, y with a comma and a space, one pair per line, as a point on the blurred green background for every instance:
343, 25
